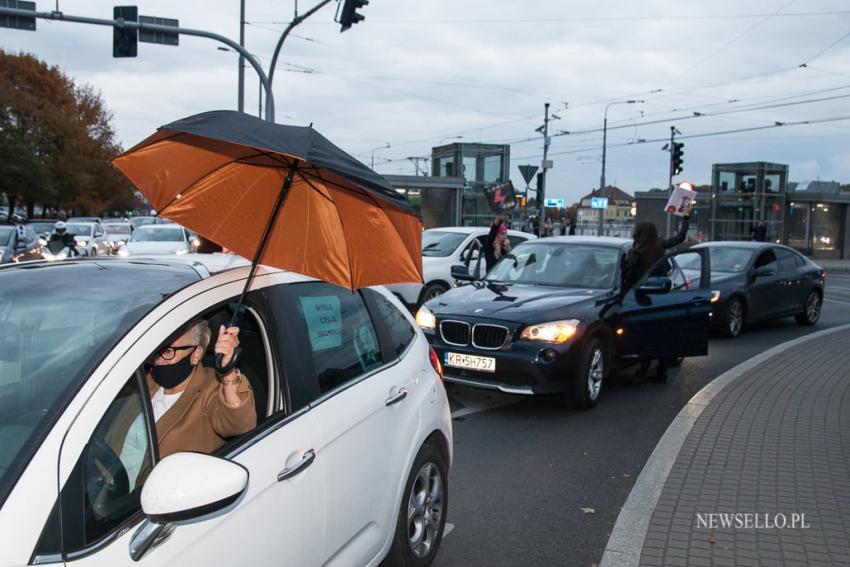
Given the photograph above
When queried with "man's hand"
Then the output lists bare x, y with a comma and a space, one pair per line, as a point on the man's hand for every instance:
228, 340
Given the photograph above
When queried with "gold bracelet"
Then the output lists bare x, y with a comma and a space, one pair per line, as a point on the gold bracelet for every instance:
235, 381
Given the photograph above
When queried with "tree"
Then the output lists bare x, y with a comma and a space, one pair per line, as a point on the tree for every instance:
56, 140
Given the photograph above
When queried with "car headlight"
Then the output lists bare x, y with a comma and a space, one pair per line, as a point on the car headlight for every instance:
425, 319
553, 332
42, 242
123, 252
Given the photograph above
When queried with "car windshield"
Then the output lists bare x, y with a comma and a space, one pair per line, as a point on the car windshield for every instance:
41, 227
142, 221
559, 265
53, 336
6, 233
723, 260
117, 228
440, 243
158, 234
79, 229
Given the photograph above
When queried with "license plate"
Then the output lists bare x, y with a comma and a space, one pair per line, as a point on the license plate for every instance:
471, 362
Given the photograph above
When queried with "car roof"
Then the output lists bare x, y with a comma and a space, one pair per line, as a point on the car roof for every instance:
594, 240
205, 265
474, 229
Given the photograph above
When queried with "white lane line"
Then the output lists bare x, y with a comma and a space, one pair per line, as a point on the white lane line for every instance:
836, 301
448, 529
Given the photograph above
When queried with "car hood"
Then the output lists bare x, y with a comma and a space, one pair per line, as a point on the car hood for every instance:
518, 303
155, 247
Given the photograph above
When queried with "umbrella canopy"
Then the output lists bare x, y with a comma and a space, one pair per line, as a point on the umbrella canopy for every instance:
240, 182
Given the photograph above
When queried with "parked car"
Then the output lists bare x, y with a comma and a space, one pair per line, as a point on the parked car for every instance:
348, 464
117, 235
13, 249
441, 249
158, 239
90, 237
759, 281
551, 318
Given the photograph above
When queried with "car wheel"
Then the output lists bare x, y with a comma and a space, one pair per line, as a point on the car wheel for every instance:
588, 384
811, 311
431, 291
733, 320
422, 515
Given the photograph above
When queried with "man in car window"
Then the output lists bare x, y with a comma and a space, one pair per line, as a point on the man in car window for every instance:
196, 409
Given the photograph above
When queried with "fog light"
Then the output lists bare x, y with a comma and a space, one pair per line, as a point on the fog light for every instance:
548, 355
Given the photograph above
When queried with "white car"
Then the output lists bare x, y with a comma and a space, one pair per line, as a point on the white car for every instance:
158, 239
348, 465
117, 234
443, 248
90, 237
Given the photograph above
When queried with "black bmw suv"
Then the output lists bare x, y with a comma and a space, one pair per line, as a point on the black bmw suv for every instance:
551, 318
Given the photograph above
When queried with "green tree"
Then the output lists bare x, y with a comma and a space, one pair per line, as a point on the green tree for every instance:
56, 140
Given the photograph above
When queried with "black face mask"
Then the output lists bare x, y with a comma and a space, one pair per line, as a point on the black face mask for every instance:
172, 375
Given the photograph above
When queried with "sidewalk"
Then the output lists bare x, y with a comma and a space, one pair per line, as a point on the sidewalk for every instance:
765, 444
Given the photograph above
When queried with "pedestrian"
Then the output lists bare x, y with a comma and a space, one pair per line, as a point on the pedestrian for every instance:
647, 249
548, 227
572, 231
489, 241
759, 232
501, 244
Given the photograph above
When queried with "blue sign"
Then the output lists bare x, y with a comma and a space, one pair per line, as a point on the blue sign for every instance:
599, 202
557, 203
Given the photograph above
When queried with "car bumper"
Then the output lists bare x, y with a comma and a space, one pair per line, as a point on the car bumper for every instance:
520, 368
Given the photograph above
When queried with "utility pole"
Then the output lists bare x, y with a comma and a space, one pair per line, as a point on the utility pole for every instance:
240, 105
541, 191
601, 227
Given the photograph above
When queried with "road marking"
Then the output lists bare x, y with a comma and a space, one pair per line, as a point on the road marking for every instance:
836, 301
448, 529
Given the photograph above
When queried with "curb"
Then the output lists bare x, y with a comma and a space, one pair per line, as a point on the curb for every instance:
625, 545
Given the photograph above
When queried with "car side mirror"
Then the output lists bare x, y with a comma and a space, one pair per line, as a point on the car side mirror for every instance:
762, 271
185, 486
656, 286
461, 273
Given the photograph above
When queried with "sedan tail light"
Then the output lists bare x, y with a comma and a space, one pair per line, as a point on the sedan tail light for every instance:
435, 362
823, 274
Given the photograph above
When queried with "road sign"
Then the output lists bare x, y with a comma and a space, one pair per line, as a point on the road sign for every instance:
599, 202
162, 38
528, 172
18, 22
548, 163
555, 203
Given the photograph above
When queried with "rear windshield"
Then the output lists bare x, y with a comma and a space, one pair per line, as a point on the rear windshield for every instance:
158, 234
58, 322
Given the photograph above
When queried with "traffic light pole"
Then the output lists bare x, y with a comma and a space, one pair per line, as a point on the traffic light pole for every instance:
670, 178
240, 105
295, 21
56, 15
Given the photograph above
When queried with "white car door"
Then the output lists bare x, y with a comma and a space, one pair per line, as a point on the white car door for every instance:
277, 521
368, 418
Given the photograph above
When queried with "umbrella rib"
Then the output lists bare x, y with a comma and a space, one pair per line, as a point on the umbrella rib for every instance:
313, 187
317, 175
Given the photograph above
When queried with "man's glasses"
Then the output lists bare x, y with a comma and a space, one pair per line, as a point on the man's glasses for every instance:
169, 352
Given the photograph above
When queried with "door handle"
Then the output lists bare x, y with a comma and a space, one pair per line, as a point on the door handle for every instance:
699, 301
397, 397
306, 460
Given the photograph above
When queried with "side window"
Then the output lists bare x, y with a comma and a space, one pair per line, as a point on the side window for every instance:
686, 270
766, 258
340, 332
400, 331
103, 489
516, 240
787, 259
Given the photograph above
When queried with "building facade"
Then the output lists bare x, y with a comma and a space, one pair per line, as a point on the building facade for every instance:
485, 167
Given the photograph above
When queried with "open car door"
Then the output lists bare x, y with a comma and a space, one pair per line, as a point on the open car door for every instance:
666, 314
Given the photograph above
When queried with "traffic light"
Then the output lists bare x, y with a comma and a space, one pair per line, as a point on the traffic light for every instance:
125, 40
348, 15
522, 200
676, 158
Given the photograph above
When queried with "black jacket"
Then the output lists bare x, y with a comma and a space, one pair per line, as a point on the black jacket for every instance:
634, 264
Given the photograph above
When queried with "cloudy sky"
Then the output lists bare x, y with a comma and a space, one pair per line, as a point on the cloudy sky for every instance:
418, 73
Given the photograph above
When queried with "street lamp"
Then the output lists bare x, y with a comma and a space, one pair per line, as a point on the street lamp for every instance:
385, 146
449, 138
604, 144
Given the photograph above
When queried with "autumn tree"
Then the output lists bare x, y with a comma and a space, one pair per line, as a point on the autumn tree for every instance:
56, 140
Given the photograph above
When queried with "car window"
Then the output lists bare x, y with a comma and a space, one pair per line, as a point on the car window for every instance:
441, 243
341, 336
558, 264
516, 240
103, 489
766, 258
787, 259
399, 328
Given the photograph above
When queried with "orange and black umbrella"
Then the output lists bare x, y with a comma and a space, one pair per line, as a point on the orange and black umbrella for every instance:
284, 196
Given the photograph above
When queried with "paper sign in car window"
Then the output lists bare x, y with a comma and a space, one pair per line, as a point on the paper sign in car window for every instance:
366, 348
323, 315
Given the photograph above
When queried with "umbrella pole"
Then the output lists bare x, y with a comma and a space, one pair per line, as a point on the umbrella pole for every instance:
224, 369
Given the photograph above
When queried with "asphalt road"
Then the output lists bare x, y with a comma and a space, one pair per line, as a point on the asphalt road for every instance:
535, 483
